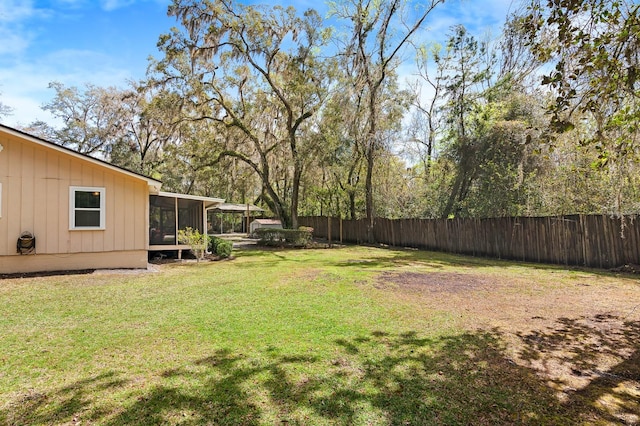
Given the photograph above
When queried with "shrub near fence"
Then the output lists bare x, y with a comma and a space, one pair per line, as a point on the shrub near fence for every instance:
584, 240
284, 237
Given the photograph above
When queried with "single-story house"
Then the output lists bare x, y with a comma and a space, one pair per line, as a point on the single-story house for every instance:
62, 210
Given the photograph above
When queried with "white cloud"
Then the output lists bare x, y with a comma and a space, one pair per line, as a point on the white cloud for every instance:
13, 16
16, 10
13, 43
71, 3
27, 67
24, 86
485, 15
477, 16
109, 5
25, 111
30, 60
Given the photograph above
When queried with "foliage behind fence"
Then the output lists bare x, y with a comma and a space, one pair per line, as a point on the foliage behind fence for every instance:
595, 241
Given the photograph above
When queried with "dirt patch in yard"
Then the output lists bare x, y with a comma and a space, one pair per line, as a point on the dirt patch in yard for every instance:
513, 301
435, 282
580, 332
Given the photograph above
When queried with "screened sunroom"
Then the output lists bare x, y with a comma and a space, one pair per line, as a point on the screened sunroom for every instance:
169, 212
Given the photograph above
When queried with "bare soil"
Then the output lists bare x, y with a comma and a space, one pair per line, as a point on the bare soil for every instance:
579, 332
435, 282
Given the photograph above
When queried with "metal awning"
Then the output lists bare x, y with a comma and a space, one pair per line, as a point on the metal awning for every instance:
209, 202
237, 208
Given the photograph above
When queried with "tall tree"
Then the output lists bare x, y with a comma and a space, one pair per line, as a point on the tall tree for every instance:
150, 118
489, 116
128, 127
425, 125
597, 68
379, 33
467, 78
91, 119
257, 73
5, 110
343, 134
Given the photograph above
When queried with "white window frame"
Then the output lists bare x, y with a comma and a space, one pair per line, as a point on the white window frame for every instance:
73, 209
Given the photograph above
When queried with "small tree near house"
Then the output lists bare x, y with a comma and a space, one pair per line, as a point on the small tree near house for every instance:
195, 239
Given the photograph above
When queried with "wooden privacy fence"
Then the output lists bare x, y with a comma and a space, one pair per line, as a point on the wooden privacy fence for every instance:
594, 241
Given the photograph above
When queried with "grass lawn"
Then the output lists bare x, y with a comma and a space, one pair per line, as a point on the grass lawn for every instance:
354, 335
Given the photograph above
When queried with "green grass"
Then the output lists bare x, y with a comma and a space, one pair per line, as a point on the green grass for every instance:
272, 337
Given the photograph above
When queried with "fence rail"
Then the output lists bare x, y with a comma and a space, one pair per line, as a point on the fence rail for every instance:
584, 240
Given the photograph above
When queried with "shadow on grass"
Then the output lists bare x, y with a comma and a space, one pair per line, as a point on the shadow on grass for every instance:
63, 404
590, 361
375, 258
379, 378
389, 257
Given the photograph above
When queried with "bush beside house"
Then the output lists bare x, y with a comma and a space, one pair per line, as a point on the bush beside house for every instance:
221, 247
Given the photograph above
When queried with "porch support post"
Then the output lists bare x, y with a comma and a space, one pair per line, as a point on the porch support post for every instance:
248, 218
175, 200
205, 225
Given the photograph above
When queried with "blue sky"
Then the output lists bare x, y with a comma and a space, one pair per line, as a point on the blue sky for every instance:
107, 42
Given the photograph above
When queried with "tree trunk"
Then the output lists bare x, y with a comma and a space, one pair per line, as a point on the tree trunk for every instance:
453, 196
352, 205
369, 192
295, 195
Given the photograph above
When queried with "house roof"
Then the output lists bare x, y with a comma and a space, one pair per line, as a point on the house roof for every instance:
154, 184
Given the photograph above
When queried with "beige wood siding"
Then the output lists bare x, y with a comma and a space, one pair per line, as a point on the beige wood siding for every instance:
76, 261
35, 197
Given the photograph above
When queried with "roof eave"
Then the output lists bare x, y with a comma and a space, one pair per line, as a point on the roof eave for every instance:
212, 201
